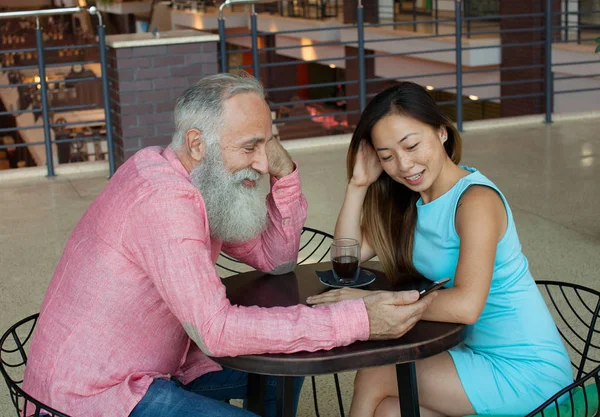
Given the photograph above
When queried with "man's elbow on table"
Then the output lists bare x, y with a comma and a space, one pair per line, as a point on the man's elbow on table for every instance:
283, 268
194, 334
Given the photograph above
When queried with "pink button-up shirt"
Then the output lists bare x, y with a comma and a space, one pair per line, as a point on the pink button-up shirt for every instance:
136, 295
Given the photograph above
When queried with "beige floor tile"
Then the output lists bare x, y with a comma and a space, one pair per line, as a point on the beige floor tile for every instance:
549, 175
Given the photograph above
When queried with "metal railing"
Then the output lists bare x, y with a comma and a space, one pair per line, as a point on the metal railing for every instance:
49, 98
322, 76
468, 72
490, 9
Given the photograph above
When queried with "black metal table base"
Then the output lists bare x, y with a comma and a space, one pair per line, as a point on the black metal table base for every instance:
407, 389
285, 396
256, 393
408, 392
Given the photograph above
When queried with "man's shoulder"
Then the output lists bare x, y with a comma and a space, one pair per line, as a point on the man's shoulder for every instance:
146, 181
144, 185
149, 171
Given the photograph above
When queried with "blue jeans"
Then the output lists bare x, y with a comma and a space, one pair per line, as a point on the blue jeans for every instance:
205, 396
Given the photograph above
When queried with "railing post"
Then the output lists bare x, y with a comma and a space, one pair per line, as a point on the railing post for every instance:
579, 22
437, 28
467, 11
414, 13
548, 62
567, 20
105, 93
39, 43
362, 85
254, 34
459, 99
222, 42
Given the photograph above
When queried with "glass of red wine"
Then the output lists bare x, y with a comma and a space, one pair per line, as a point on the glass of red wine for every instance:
345, 258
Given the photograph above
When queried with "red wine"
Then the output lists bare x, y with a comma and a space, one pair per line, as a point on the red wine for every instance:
345, 267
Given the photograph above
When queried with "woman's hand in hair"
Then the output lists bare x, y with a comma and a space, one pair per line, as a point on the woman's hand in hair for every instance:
367, 167
335, 296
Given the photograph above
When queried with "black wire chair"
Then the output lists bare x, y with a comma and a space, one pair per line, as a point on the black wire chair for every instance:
575, 310
14, 345
314, 248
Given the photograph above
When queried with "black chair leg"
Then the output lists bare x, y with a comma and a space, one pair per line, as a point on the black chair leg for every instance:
339, 394
314, 389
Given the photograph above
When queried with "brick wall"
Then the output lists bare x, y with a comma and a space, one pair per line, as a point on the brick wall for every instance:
144, 84
370, 11
531, 55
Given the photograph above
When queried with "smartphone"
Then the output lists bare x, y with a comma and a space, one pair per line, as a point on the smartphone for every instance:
436, 285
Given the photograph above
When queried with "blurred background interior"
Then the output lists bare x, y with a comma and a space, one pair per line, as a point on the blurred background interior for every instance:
70, 115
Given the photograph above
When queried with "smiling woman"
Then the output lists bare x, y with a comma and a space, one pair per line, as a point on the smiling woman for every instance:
413, 137
410, 203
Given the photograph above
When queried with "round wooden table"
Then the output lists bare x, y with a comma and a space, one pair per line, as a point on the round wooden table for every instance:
259, 289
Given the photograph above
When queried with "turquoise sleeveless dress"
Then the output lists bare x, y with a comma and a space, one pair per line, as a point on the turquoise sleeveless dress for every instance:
513, 358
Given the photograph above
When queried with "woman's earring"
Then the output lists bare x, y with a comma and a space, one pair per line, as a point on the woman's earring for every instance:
444, 139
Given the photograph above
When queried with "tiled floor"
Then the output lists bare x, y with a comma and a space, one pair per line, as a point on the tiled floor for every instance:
550, 175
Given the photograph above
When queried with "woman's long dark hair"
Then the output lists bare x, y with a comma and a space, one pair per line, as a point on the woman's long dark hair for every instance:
389, 214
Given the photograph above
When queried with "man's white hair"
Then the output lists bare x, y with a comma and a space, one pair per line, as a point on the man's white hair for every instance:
201, 106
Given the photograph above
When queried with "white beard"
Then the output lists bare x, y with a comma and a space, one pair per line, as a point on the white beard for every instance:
236, 212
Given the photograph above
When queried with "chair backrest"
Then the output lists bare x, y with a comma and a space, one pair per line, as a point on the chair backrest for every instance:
314, 248
575, 310
14, 345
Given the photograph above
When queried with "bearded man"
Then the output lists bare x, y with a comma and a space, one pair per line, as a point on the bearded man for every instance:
135, 308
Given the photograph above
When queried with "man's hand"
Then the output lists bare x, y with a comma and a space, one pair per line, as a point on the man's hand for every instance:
392, 314
280, 162
335, 296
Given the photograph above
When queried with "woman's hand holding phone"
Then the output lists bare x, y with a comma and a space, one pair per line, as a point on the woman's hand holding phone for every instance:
436, 285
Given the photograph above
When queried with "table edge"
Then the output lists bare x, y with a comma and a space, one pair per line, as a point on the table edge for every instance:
299, 366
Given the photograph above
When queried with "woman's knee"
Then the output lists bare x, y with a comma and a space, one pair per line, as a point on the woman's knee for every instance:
388, 407
369, 382
361, 379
